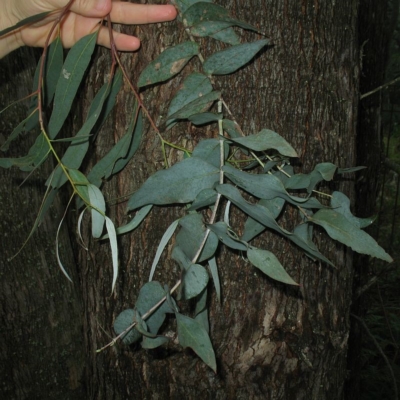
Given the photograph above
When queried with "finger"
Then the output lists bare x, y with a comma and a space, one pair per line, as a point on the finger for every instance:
130, 13
122, 42
87, 8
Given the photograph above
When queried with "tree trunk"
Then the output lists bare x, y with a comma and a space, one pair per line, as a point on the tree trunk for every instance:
271, 341
41, 350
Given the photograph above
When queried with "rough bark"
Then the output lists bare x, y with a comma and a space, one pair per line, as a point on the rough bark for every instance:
41, 347
271, 341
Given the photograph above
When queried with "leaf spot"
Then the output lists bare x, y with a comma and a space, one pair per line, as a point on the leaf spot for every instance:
66, 74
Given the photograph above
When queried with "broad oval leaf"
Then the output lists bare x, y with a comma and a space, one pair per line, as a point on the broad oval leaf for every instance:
195, 279
124, 320
338, 227
169, 63
192, 334
179, 184
191, 236
229, 60
269, 264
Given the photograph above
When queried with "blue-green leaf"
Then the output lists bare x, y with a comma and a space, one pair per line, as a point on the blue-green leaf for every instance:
265, 140
338, 227
212, 264
196, 106
229, 60
30, 20
179, 184
341, 203
68, 83
193, 87
169, 63
183, 5
195, 280
163, 242
192, 334
98, 210
76, 152
269, 264
191, 235
266, 186
222, 230
112, 235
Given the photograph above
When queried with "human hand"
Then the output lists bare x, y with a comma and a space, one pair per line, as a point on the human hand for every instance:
82, 19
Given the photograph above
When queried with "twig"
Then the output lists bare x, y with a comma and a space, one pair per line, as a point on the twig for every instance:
363, 96
362, 323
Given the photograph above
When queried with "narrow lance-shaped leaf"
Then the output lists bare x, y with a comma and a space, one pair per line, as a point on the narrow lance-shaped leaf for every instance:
134, 223
169, 63
229, 60
98, 209
341, 229
76, 152
212, 264
163, 242
269, 264
264, 216
30, 20
192, 334
114, 249
68, 83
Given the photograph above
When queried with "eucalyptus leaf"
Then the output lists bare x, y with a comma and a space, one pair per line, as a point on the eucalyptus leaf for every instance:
264, 216
183, 5
150, 294
112, 235
27, 21
169, 63
98, 210
76, 152
194, 86
205, 118
341, 229
123, 151
201, 311
196, 106
124, 320
222, 230
195, 280
210, 150
192, 334
153, 343
134, 222
229, 60
265, 140
179, 184
341, 204
191, 235
163, 242
269, 264
205, 198
212, 264
267, 186
231, 128
252, 228
71, 76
